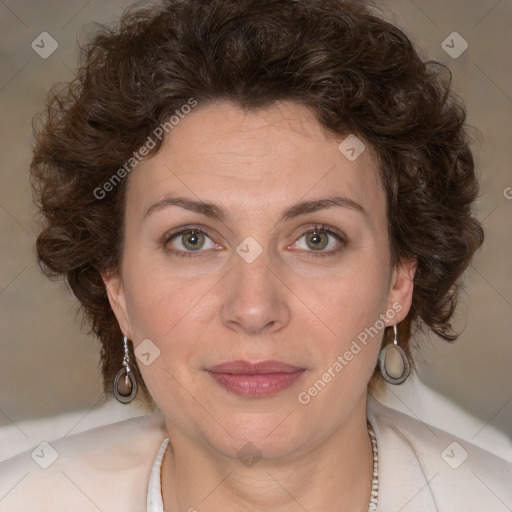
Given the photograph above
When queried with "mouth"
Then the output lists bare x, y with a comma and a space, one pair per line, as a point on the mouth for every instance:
255, 380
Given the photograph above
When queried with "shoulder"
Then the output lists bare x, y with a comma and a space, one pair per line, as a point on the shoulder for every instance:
424, 468
105, 468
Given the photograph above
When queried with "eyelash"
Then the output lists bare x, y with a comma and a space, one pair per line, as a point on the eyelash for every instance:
322, 228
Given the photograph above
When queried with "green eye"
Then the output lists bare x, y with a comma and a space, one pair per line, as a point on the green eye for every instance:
188, 241
192, 240
320, 240
317, 241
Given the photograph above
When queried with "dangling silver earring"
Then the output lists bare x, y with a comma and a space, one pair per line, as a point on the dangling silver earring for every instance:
393, 362
125, 383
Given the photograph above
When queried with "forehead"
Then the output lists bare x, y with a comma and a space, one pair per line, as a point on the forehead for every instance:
265, 158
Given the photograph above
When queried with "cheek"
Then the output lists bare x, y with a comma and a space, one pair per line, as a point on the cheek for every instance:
175, 312
351, 298
330, 304
351, 305
163, 312
345, 298
157, 304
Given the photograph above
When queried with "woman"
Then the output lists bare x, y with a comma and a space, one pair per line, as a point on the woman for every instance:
256, 204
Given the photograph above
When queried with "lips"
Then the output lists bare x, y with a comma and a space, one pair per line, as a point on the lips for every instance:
254, 380
247, 368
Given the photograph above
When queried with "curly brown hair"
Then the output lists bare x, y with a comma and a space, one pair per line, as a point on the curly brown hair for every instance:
357, 73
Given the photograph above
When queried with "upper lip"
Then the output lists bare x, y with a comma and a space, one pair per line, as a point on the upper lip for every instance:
248, 368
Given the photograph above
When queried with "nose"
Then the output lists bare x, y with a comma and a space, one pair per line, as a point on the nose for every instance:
256, 301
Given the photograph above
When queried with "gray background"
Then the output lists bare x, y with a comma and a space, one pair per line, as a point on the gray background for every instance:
48, 366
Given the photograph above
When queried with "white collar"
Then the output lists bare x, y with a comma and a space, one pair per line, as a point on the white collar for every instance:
155, 501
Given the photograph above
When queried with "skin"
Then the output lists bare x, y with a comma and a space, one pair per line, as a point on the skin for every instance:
289, 305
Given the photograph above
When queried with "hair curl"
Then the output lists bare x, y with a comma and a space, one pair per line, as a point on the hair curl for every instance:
358, 74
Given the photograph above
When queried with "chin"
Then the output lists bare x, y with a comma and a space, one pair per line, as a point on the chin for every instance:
260, 435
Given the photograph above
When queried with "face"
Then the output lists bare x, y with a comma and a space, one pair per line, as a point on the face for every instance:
257, 278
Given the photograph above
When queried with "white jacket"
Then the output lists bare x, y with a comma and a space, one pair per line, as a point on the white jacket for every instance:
421, 469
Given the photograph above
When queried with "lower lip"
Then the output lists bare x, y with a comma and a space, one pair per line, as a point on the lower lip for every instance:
256, 386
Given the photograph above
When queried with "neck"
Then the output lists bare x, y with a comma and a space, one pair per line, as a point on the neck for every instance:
336, 475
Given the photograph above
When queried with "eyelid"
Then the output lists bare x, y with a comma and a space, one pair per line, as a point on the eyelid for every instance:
169, 235
183, 229
323, 228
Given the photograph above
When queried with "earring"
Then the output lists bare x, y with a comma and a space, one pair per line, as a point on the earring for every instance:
393, 362
125, 383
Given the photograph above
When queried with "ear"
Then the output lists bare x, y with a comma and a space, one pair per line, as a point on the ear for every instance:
117, 299
402, 287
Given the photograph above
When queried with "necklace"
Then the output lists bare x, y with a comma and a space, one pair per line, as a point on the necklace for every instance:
374, 497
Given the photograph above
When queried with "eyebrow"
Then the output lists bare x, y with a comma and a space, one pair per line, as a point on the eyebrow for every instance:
218, 213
